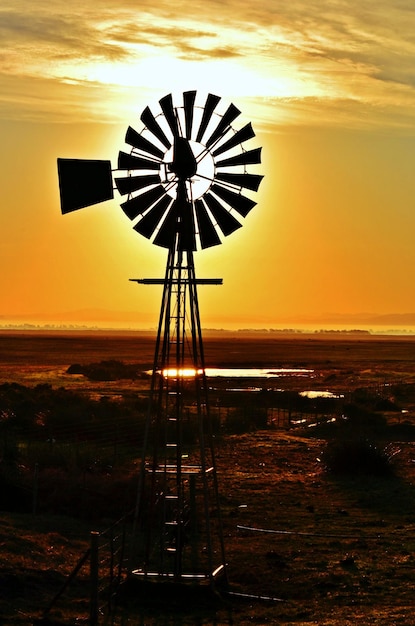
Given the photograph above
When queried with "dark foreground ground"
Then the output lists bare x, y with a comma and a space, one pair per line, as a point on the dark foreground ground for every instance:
330, 550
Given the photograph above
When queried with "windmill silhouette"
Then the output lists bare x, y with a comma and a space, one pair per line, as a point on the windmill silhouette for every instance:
183, 178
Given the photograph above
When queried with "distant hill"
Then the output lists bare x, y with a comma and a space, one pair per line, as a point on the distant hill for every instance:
106, 318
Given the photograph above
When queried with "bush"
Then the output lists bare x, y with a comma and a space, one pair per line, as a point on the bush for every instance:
357, 457
245, 419
363, 423
105, 370
94, 496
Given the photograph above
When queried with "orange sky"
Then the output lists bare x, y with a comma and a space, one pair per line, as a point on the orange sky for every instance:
329, 87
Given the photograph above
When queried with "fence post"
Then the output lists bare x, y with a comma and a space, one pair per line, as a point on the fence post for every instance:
94, 579
35, 489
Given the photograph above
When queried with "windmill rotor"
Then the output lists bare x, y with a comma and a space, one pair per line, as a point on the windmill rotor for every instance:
188, 152
201, 147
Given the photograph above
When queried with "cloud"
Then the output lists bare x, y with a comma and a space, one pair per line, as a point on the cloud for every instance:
43, 38
129, 33
188, 43
335, 50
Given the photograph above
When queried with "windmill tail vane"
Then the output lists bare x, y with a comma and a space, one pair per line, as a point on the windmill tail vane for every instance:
185, 180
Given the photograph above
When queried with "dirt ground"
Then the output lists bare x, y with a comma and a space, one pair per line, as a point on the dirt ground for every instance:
327, 552
337, 550
324, 550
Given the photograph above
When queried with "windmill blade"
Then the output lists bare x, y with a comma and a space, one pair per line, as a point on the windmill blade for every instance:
133, 138
211, 102
83, 182
167, 233
226, 222
153, 126
141, 203
238, 202
248, 181
132, 162
151, 220
207, 232
189, 103
134, 183
245, 158
239, 137
166, 104
230, 114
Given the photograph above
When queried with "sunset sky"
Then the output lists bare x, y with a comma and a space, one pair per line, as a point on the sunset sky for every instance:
330, 89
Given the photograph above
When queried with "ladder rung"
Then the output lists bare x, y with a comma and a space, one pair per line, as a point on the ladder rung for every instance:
172, 469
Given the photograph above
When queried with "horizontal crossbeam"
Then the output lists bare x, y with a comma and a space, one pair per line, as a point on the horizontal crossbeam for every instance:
176, 281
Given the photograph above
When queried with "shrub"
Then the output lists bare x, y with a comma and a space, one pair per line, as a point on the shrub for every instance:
363, 423
357, 457
105, 370
244, 420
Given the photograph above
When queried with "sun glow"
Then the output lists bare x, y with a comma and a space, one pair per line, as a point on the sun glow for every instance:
262, 92
231, 78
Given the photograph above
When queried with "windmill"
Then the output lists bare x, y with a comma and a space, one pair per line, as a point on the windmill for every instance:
183, 179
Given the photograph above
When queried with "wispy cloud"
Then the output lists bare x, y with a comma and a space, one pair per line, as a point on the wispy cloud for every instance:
335, 50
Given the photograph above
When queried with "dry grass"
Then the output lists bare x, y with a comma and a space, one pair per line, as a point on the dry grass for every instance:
37, 555
344, 548
341, 549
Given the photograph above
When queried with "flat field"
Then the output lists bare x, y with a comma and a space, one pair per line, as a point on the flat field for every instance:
339, 360
330, 550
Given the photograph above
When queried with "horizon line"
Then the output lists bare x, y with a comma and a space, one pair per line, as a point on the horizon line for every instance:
320, 329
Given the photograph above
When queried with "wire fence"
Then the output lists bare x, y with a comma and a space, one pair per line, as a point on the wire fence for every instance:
288, 418
104, 566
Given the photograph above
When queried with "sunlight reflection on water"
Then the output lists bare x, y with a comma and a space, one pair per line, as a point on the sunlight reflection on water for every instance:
321, 394
250, 372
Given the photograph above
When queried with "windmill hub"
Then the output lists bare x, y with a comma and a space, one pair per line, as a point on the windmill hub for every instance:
199, 175
184, 164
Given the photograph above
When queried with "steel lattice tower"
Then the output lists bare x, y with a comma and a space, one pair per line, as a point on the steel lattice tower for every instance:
178, 507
